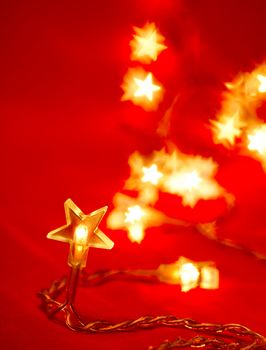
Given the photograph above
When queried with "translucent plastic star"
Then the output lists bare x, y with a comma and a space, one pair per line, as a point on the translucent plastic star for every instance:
147, 43
75, 218
146, 87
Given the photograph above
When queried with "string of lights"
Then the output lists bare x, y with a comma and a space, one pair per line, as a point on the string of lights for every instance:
212, 336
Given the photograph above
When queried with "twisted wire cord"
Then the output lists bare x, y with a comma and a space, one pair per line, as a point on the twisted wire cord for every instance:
220, 336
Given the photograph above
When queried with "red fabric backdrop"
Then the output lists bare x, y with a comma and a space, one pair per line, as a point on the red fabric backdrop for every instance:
65, 133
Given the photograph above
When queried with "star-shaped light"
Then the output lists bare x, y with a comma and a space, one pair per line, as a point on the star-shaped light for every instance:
257, 140
147, 43
262, 80
81, 232
151, 174
139, 87
145, 87
227, 129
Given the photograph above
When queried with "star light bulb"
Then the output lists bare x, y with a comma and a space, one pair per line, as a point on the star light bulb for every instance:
140, 88
146, 44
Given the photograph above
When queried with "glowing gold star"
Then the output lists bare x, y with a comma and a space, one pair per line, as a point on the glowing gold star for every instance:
139, 88
227, 129
257, 140
151, 174
147, 43
262, 80
81, 232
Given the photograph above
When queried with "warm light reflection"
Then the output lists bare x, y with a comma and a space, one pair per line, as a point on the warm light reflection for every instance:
257, 140
147, 43
151, 174
227, 128
139, 87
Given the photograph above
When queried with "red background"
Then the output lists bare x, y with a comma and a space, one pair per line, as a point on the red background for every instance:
65, 133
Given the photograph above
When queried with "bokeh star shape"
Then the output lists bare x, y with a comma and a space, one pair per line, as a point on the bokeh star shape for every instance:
75, 217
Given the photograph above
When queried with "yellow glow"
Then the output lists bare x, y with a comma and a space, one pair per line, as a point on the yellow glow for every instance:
147, 43
189, 276
134, 214
191, 177
184, 181
227, 129
209, 277
136, 232
151, 174
257, 140
145, 87
81, 234
262, 83
139, 87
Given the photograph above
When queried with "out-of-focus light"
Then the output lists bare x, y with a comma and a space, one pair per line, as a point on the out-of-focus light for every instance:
227, 129
145, 87
147, 43
189, 276
262, 83
257, 140
139, 88
134, 214
151, 174
209, 277
136, 232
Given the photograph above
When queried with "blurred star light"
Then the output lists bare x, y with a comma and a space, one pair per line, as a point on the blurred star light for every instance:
139, 87
146, 44
227, 129
151, 174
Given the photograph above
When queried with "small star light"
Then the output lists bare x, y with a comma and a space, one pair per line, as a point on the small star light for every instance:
81, 232
139, 87
227, 129
190, 274
151, 174
262, 81
146, 44
133, 216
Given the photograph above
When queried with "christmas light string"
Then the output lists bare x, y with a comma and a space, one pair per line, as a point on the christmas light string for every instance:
167, 170
220, 336
82, 232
